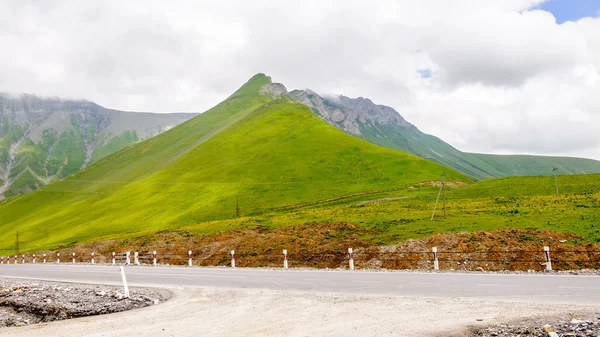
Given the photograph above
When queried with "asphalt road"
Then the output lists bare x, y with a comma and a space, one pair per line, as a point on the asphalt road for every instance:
575, 289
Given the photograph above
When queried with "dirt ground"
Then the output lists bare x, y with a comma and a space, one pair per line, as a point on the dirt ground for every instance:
325, 246
222, 312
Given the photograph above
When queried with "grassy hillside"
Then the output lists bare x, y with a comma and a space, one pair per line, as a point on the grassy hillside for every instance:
476, 165
412, 140
526, 203
526, 165
264, 152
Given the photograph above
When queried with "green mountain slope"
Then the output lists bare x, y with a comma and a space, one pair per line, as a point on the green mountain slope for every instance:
43, 140
384, 126
521, 165
264, 151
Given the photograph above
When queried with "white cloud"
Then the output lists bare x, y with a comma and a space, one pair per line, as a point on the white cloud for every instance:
504, 78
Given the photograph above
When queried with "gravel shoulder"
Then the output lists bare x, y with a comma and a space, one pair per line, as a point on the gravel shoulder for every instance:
194, 311
568, 324
25, 302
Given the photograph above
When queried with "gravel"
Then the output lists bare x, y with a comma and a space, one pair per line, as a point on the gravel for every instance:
24, 303
567, 325
222, 312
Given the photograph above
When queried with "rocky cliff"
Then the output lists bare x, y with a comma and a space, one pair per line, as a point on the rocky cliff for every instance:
44, 139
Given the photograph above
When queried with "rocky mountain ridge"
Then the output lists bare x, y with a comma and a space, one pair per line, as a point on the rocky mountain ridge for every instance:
384, 126
45, 139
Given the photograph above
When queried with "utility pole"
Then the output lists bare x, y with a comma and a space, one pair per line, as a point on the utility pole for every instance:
237, 207
444, 191
554, 169
442, 188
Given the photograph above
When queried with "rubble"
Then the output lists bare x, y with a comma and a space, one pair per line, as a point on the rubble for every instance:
563, 326
24, 303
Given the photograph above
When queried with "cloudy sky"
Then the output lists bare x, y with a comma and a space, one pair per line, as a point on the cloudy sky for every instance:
496, 76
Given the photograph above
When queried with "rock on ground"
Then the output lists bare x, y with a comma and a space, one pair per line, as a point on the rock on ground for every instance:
24, 302
570, 325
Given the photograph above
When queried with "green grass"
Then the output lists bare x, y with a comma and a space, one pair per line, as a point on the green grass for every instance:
525, 165
268, 153
527, 203
115, 144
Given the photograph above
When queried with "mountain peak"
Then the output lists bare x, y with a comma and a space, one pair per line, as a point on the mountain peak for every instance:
265, 86
273, 89
348, 113
260, 77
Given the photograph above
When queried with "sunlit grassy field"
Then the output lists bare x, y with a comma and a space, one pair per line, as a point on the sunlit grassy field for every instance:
527, 203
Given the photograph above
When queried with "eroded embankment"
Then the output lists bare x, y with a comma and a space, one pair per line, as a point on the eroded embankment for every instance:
23, 302
325, 246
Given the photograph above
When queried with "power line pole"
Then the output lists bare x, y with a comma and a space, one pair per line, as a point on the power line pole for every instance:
554, 169
444, 191
438, 198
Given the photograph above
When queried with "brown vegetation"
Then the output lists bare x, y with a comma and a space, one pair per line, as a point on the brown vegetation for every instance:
325, 246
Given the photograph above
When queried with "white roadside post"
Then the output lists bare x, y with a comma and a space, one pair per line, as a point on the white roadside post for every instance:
548, 261
33, 259
44, 256
128, 258
233, 259
57, 257
114, 258
285, 262
2, 260
93, 258
350, 259
136, 259
22, 258
125, 287
436, 265
189, 258
73, 257
154, 258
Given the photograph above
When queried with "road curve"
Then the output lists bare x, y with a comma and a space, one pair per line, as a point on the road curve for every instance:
575, 289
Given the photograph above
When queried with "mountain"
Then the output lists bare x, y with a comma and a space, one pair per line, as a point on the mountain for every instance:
42, 139
255, 151
384, 126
